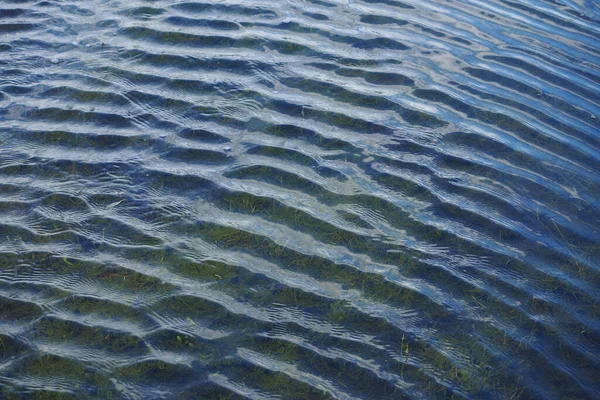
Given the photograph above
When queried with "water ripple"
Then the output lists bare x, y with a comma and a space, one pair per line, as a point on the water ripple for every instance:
303, 199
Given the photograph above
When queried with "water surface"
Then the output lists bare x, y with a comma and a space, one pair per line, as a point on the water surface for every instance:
308, 199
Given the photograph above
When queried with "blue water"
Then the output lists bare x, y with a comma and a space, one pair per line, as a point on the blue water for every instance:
300, 199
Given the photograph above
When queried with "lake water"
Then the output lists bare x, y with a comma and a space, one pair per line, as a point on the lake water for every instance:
300, 199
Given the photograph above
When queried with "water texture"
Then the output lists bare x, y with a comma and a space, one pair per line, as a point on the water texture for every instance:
300, 199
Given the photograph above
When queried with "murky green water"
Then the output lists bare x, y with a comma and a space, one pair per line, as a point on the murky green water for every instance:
300, 199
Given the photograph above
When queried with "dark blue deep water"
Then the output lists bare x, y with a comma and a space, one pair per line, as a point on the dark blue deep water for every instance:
300, 199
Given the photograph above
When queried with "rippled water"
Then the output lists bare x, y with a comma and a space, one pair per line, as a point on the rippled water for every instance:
300, 199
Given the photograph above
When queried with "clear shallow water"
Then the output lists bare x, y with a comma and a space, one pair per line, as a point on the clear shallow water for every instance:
299, 199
